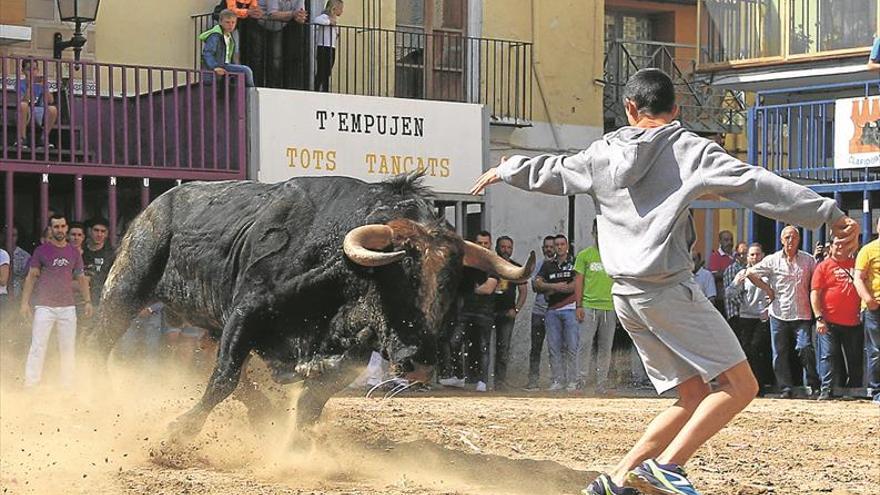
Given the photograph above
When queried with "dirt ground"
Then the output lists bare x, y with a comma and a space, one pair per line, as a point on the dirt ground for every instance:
112, 441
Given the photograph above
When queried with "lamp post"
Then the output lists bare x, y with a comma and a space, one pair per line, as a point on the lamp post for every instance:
79, 12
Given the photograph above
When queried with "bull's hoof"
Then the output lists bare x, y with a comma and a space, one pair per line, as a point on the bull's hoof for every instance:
184, 429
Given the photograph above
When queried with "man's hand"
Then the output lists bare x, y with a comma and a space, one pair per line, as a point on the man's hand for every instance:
846, 231
220, 71
25, 312
255, 12
580, 314
301, 16
740, 277
821, 327
486, 180
511, 313
873, 305
88, 311
771, 295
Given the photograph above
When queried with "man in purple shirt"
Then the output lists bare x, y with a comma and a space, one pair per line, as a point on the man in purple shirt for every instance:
53, 267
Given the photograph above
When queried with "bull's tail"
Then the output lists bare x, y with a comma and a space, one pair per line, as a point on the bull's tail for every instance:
140, 263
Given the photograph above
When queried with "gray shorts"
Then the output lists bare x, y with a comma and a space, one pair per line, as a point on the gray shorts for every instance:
679, 334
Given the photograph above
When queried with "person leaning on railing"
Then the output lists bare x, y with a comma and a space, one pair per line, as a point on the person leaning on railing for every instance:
874, 58
218, 46
277, 13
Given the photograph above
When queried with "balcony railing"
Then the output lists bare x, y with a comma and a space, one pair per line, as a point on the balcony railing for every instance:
395, 63
125, 120
752, 31
796, 140
703, 108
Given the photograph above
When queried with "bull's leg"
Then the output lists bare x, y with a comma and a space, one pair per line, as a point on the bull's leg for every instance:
315, 394
261, 409
233, 350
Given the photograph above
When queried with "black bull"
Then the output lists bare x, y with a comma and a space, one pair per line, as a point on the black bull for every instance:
310, 274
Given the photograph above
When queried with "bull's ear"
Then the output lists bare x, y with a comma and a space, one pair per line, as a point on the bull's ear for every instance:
365, 246
478, 257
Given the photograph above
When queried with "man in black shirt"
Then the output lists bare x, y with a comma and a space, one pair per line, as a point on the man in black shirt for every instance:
556, 282
474, 328
509, 299
98, 257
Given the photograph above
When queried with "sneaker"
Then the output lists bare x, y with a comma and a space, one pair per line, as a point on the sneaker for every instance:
571, 387
876, 399
21, 144
651, 478
785, 394
481, 387
604, 486
825, 394
555, 387
452, 381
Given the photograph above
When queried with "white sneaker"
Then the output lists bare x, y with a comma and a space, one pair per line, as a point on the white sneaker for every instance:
481, 387
555, 387
571, 387
452, 381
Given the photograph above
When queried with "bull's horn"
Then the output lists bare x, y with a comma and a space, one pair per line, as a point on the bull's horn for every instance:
476, 256
362, 245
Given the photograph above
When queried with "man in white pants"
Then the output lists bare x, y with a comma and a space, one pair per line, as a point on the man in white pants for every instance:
53, 267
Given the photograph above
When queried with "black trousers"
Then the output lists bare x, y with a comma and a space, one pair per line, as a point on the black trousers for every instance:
325, 56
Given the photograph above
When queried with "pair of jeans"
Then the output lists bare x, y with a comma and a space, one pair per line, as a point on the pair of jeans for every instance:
603, 322
786, 335
537, 347
754, 337
503, 332
208, 76
838, 343
872, 350
63, 319
563, 344
466, 354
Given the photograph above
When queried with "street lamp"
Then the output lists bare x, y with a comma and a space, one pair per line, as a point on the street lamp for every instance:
79, 12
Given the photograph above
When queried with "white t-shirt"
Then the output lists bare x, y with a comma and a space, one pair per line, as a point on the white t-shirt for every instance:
4, 260
706, 282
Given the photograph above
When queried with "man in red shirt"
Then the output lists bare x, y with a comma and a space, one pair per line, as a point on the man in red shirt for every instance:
836, 307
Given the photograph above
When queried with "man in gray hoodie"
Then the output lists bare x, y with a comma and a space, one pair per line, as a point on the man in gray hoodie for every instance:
642, 179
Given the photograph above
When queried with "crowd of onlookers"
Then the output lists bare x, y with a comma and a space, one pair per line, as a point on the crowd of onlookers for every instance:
56, 285
264, 41
803, 319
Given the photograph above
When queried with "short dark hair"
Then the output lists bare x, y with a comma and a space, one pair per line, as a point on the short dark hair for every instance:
560, 236
98, 221
549, 238
76, 225
484, 233
57, 216
651, 90
503, 238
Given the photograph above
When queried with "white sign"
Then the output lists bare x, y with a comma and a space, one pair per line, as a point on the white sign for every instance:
305, 134
857, 132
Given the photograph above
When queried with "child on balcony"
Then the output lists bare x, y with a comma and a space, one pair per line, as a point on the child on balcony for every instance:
326, 36
219, 46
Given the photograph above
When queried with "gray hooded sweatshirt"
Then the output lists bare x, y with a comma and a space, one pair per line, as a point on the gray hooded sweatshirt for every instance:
642, 182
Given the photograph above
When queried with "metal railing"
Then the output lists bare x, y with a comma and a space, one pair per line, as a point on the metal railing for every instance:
797, 140
394, 63
703, 108
124, 120
740, 30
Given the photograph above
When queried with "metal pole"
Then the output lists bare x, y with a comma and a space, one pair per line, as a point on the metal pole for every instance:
145, 194
867, 224
44, 202
78, 197
10, 213
111, 196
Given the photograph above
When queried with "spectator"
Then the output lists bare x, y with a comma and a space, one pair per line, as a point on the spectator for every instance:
788, 274
867, 282
820, 252
509, 300
874, 58
731, 306
250, 33
219, 46
53, 267
704, 278
719, 260
556, 281
98, 257
76, 235
474, 328
20, 259
36, 101
595, 311
277, 13
750, 321
325, 52
4, 282
539, 310
836, 308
